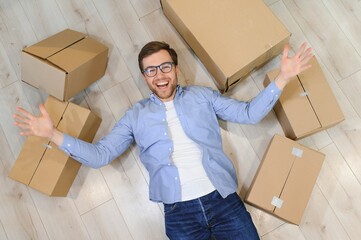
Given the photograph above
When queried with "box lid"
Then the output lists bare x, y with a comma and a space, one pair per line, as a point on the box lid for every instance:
77, 54
221, 29
54, 44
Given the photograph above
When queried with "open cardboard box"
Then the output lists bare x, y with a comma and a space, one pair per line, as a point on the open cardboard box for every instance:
285, 179
64, 64
231, 38
48, 169
307, 104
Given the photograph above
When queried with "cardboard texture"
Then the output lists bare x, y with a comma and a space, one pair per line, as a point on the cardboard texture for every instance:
50, 170
64, 64
285, 179
231, 38
307, 104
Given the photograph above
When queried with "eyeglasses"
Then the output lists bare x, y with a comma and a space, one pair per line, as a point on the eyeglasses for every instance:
165, 67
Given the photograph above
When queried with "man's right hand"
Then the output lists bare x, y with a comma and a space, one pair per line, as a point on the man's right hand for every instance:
40, 126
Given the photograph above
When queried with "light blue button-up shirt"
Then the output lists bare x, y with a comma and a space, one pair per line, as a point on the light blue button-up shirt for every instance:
198, 109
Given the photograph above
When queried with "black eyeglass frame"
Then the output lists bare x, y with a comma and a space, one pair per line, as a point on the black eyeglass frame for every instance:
160, 66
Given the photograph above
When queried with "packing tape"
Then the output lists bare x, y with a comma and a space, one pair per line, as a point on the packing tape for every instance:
277, 202
47, 146
304, 94
297, 152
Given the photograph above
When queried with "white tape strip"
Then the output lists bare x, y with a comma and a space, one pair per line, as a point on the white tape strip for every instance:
47, 146
304, 94
297, 152
277, 202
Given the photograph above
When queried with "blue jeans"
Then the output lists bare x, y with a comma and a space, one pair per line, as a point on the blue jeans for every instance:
209, 217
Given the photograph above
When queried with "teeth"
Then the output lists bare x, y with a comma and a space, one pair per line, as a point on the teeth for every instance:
162, 84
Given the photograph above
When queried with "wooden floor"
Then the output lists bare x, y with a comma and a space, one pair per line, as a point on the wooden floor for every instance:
112, 202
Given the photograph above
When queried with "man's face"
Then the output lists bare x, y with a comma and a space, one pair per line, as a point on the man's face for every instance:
162, 84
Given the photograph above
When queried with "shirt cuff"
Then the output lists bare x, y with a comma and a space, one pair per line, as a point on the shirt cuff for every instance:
68, 143
272, 89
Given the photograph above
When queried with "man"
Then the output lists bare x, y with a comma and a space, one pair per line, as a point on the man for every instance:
177, 132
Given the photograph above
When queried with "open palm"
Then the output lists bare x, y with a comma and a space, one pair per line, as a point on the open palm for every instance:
40, 126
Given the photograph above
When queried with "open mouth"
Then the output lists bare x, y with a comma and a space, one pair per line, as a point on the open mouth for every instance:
162, 85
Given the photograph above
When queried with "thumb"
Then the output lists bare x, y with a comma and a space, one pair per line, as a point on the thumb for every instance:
286, 49
43, 111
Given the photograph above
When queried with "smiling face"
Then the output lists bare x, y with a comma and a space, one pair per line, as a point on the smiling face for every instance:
162, 84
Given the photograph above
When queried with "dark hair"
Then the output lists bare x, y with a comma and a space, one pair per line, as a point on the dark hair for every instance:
153, 47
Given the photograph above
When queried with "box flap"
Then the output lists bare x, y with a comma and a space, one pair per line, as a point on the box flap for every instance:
57, 170
34, 147
272, 173
299, 185
55, 43
28, 159
77, 54
294, 110
321, 96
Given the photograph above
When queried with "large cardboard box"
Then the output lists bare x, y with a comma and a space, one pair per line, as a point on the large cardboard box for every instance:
285, 179
64, 64
231, 37
48, 169
307, 104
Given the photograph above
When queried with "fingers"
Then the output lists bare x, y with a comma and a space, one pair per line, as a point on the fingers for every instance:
25, 114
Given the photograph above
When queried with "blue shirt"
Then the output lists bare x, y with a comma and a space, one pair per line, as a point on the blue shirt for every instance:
198, 109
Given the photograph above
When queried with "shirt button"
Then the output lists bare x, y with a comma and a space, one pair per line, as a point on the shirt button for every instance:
276, 95
272, 91
163, 120
165, 133
68, 145
176, 178
170, 149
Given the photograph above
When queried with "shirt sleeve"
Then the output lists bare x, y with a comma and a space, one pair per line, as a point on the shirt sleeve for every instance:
105, 150
250, 112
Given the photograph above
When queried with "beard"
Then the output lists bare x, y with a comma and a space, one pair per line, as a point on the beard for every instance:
164, 93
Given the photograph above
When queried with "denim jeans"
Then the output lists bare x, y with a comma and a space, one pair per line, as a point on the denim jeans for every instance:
209, 217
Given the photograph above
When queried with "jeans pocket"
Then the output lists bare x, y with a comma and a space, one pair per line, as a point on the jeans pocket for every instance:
169, 208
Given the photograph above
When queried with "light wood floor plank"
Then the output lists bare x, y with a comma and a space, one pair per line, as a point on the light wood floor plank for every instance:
106, 222
326, 37
43, 24
19, 216
319, 220
347, 14
130, 193
342, 190
60, 217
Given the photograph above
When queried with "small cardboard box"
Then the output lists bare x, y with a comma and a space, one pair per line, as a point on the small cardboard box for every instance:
48, 169
231, 38
64, 64
307, 104
285, 179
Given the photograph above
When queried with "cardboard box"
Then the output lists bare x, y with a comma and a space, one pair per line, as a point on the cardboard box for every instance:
50, 170
64, 64
231, 38
307, 104
285, 179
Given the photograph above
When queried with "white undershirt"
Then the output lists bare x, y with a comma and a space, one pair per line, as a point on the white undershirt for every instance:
187, 157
